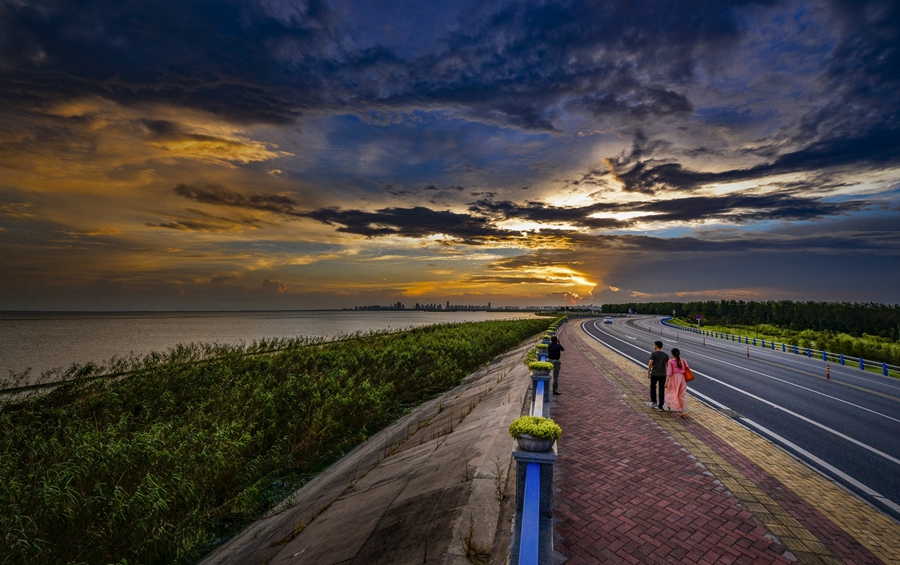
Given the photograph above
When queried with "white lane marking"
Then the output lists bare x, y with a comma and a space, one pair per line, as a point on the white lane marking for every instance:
795, 385
832, 469
847, 370
824, 464
777, 407
599, 329
709, 400
788, 367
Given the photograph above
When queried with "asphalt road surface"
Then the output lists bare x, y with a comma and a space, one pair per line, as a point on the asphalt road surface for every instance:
847, 427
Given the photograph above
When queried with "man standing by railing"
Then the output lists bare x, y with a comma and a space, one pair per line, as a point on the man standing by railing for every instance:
656, 370
553, 350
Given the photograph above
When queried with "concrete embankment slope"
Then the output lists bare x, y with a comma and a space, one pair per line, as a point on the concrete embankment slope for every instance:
423, 490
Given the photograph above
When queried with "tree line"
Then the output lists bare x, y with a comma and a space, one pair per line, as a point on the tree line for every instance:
855, 318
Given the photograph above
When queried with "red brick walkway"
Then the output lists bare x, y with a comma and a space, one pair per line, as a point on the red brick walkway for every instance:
630, 494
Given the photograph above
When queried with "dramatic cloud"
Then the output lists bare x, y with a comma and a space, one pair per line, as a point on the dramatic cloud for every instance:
409, 222
521, 64
735, 208
877, 149
531, 151
273, 287
213, 194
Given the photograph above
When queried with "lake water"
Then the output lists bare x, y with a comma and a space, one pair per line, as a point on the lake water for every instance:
46, 340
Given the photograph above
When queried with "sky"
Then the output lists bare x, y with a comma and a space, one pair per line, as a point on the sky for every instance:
267, 154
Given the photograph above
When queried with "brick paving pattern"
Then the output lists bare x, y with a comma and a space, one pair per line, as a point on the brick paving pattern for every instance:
630, 494
835, 539
638, 486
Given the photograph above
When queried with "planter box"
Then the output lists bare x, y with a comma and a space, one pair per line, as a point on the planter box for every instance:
528, 443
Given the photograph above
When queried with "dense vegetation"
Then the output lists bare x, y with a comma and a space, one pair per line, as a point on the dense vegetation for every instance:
853, 319
154, 466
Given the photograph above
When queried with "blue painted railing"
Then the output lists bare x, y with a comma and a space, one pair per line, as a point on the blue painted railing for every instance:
826, 355
537, 408
529, 536
529, 552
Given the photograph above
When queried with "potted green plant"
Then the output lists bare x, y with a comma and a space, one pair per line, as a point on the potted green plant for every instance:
534, 433
542, 346
540, 367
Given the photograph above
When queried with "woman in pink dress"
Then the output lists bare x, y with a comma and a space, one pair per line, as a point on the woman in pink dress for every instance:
676, 387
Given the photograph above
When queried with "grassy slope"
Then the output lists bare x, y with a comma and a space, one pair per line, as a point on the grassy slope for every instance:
197, 442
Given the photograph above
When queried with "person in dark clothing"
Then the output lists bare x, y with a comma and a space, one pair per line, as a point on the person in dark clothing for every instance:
553, 349
656, 370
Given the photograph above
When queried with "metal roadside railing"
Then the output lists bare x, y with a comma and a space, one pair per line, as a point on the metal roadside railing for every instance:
826, 356
529, 537
534, 492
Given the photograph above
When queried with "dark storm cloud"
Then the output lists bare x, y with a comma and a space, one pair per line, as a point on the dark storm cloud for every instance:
517, 64
857, 126
537, 259
480, 224
523, 64
877, 239
735, 208
882, 243
201, 221
405, 222
864, 69
215, 194
651, 102
226, 57
410, 222
875, 149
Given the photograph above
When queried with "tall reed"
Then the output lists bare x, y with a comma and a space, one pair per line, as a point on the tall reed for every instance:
155, 466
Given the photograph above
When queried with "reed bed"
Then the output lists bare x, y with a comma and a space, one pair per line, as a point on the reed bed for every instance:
162, 463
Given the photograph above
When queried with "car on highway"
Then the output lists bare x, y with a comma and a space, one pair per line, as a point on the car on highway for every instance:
607, 320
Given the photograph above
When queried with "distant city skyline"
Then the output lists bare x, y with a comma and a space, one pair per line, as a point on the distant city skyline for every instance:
230, 155
435, 306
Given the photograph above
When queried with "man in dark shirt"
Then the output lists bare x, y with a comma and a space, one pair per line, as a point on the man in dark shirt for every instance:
656, 370
553, 349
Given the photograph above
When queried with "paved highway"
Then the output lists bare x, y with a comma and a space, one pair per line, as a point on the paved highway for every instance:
847, 427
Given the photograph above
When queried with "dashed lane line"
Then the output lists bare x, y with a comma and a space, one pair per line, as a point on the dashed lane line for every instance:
793, 384
769, 403
796, 370
845, 371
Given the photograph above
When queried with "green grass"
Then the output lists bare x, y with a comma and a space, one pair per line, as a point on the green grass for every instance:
195, 443
869, 347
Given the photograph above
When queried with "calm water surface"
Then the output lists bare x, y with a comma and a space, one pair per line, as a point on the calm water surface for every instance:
46, 340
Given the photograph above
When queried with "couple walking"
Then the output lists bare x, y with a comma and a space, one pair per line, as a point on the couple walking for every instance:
667, 375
